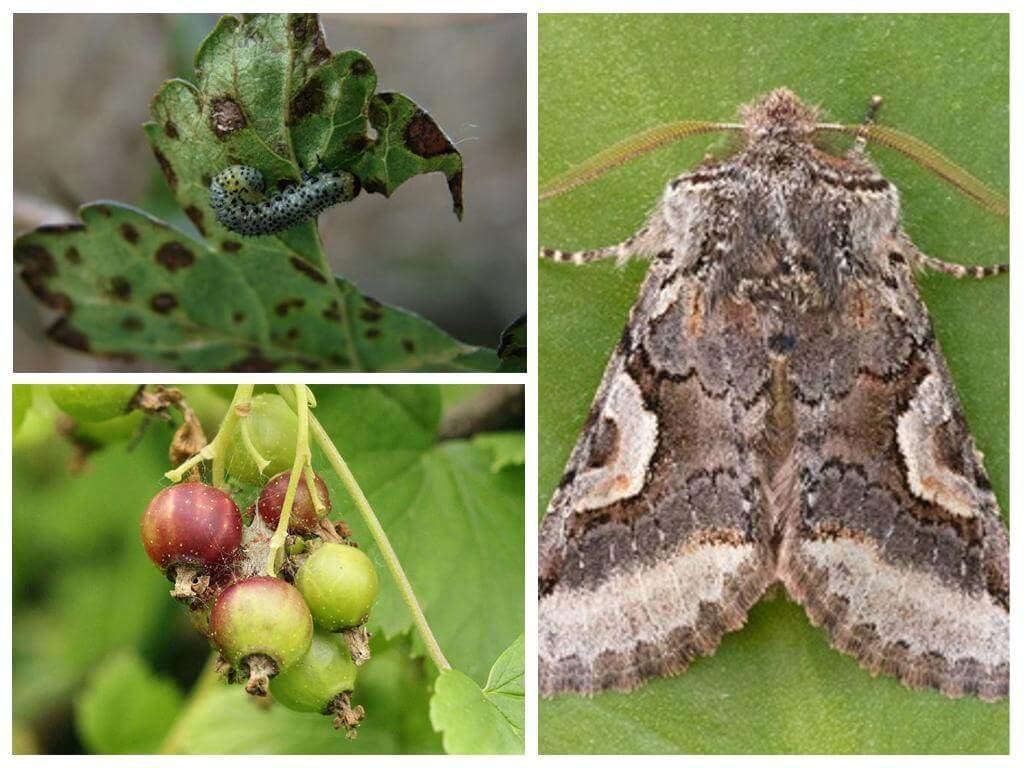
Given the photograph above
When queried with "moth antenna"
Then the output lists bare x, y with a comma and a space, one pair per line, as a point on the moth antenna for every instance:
874, 104
931, 159
627, 150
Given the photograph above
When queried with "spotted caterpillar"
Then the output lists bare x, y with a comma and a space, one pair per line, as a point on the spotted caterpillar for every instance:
236, 196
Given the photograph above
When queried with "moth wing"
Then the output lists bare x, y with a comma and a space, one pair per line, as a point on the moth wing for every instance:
656, 541
893, 541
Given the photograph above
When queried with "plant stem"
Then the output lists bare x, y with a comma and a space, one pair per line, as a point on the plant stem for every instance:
214, 449
380, 538
243, 394
302, 458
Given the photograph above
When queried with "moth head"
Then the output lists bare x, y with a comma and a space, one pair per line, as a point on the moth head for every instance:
779, 115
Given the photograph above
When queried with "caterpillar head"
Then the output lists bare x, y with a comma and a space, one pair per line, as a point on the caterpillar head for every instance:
338, 186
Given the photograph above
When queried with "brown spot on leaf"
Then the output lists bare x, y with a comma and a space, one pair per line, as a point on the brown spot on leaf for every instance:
356, 143
104, 210
231, 246
455, 187
168, 170
371, 315
120, 288
237, 317
174, 256
283, 306
332, 312
309, 100
196, 216
340, 360
372, 333
131, 323
171, 130
72, 256
129, 233
379, 117
371, 302
164, 303
308, 270
226, 116
409, 345
306, 30
64, 333
360, 67
254, 363
374, 186
424, 138
293, 333
37, 267
60, 229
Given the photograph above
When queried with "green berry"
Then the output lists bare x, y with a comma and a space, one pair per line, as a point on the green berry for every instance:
273, 429
262, 627
21, 399
314, 682
340, 584
93, 402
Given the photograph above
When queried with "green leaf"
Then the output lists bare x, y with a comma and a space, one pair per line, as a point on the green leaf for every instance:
507, 448
269, 94
487, 721
777, 676
456, 524
125, 708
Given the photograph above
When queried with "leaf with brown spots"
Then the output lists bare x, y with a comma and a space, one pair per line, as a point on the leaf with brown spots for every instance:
268, 93
138, 289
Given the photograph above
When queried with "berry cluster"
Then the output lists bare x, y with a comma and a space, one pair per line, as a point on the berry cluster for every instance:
299, 636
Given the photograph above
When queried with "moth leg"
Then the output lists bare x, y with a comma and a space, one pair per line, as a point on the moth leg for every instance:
644, 244
959, 271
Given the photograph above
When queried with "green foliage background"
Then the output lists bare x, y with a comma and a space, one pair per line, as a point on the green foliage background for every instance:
775, 686
106, 662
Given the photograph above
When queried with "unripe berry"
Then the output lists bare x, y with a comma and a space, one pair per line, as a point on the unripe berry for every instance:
321, 681
190, 531
340, 584
93, 402
304, 517
262, 627
273, 429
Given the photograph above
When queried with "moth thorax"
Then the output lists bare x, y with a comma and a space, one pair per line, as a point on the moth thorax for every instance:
779, 114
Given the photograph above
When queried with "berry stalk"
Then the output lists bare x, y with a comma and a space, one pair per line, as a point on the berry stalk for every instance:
380, 537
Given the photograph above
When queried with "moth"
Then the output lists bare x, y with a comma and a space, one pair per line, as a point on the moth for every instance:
237, 199
777, 410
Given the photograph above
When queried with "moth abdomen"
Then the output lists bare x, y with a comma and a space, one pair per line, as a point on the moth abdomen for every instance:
236, 196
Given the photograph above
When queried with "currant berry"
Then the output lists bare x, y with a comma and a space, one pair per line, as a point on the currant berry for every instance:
340, 584
273, 428
190, 531
322, 681
93, 402
304, 517
262, 627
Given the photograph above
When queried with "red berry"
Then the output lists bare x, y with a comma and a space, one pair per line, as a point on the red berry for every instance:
304, 518
261, 626
189, 531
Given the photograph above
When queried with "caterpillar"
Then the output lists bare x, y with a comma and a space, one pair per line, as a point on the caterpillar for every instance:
236, 196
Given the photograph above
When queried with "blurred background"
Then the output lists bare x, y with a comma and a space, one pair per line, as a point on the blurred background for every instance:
82, 86
105, 661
